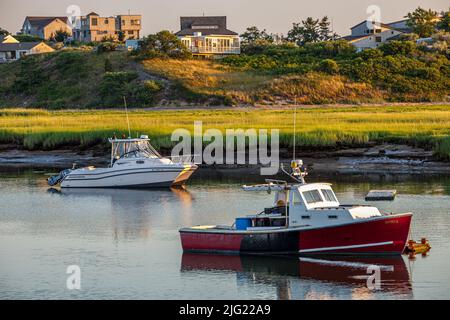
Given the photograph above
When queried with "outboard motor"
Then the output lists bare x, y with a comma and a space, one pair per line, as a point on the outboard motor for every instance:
54, 180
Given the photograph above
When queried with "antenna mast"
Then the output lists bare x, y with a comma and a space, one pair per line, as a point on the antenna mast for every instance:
128, 120
295, 132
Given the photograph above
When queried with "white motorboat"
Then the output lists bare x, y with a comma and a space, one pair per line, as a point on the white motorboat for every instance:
134, 164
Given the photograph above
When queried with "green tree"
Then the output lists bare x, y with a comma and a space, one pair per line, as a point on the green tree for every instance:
121, 36
311, 30
253, 36
108, 65
423, 22
27, 38
444, 23
60, 35
325, 32
304, 32
3, 32
163, 44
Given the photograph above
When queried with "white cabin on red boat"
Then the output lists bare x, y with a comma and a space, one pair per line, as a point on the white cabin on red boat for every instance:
307, 205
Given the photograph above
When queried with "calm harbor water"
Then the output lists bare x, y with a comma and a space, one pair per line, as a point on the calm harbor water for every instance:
127, 245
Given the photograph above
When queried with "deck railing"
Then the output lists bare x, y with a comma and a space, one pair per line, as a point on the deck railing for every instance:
217, 50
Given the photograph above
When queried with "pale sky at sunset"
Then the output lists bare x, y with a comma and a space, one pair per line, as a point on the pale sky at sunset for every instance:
274, 15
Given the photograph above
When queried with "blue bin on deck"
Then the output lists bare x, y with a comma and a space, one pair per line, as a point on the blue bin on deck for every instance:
243, 223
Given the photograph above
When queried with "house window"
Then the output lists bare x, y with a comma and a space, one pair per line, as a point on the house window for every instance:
135, 22
204, 27
378, 30
123, 22
392, 32
186, 42
130, 32
106, 21
377, 39
94, 21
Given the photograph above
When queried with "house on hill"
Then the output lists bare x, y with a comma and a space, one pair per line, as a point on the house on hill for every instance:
93, 27
45, 27
8, 39
371, 34
13, 51
208, 36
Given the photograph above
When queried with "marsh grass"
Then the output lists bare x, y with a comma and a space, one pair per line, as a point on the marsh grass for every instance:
317, 128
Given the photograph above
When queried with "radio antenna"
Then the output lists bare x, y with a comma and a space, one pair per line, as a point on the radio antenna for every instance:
295, 124
128, 120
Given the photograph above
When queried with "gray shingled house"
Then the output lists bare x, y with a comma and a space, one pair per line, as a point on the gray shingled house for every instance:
208, 36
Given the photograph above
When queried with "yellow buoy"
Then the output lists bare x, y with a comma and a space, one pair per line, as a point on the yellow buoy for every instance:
421, 247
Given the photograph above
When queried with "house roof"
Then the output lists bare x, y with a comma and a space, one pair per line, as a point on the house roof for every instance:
92, 14
18, 46
206, 25
385, 25
40, 22
381, 24
398, 21
5, 37
354, 38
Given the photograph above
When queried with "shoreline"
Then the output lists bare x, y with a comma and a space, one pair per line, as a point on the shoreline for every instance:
377, 159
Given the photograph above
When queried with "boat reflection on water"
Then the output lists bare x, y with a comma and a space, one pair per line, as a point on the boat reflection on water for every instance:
131, 210
310, 278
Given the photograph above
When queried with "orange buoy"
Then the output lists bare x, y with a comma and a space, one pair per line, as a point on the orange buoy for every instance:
421, 247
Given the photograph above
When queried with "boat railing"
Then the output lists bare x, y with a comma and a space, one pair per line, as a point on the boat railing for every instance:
185, 158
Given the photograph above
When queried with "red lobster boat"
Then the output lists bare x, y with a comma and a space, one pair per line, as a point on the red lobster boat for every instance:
306, 219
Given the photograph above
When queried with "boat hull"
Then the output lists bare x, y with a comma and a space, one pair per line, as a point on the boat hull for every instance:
130, 178
385, 235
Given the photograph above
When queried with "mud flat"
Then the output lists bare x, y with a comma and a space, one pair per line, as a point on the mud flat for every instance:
380, 159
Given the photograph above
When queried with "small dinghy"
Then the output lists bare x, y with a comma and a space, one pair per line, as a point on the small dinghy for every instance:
306, 218
134, 164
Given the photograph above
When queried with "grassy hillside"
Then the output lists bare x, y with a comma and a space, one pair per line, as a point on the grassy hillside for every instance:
317, 128
75, 79
320, 73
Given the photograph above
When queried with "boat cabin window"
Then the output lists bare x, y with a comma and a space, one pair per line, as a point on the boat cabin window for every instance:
328, 195
133, 149
312, 196
296, 198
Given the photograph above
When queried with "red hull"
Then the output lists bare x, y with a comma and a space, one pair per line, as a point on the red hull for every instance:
387, 235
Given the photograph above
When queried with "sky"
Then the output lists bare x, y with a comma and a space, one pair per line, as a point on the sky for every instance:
276, 16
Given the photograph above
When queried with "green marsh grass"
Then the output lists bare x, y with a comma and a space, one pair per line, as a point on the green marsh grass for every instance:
321, 127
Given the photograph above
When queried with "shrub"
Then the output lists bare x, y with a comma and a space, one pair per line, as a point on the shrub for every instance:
328, 66
163, 44
398, 48
370, 54
106, 47
153, 85
113, 87
426, 73
108, 65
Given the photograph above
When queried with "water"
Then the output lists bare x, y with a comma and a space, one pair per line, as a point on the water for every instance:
127, 245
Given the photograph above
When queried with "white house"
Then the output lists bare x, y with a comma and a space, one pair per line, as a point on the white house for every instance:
371, 34
14, 51
208, 36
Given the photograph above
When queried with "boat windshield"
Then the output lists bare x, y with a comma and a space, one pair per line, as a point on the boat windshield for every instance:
133, 149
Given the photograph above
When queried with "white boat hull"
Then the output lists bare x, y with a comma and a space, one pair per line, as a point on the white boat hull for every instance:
129, 178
